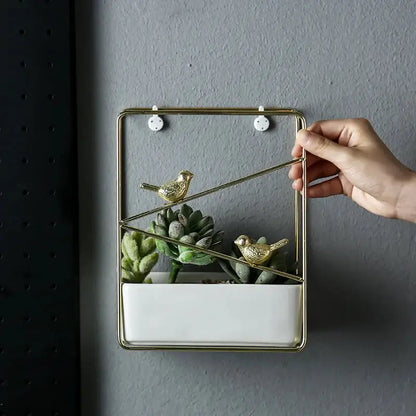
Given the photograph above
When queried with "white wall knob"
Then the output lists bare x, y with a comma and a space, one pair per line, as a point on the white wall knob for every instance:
155, 122
261, 123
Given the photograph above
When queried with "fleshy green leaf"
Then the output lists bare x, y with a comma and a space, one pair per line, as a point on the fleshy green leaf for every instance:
126, 263
205, 230
207, 233
148, 246
204, 242
194, 218
161, 220
262, 240
217, 237
204, 222
129, 247
163, 248
137, 237
187, 239
186, 256
202, 260
176, 230
243, 271
159, 230
135, 267
147, 263
186, 210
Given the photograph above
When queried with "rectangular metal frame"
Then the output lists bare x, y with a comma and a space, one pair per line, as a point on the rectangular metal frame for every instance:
300, 207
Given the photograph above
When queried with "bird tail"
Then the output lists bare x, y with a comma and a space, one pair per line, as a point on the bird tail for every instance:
279, 244
148, 187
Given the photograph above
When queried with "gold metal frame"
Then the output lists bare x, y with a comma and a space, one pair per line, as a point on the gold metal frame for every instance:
300, 207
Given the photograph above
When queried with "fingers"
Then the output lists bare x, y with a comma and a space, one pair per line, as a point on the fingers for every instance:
296, 169
348, 132
324, 148
331, 129
321, 169
330, 187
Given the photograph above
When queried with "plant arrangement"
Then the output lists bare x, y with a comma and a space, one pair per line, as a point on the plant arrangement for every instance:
191, 227
186, 226
243, 273
139, 257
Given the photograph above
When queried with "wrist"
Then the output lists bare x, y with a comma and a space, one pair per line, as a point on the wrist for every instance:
406, 204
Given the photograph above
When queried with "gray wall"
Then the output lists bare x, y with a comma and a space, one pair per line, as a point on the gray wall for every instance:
329, 59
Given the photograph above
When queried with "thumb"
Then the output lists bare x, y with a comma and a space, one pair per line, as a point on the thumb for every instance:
323, 147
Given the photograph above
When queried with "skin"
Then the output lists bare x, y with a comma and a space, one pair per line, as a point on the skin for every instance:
366, 171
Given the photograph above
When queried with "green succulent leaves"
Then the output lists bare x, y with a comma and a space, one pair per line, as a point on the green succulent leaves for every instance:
190, 227
139, 257
242, 273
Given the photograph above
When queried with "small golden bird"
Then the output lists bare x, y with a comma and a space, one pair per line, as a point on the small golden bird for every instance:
256, 253
172, 191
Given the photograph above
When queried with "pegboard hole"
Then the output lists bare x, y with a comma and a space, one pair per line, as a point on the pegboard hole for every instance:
1, 224
27, 287
24, 129
52, 224
25, 160
1, 256
26, 255
26, 224
52, 255
22, 64
55, 349
22, 32
23, 96
1, 350
27, 318
51, 97
1, 319
50, 64
2, 289
28, 381
28, 350
25, 192
53, 286
48, 32
51, 160
52, 192
51, 129
2, 383
54, 318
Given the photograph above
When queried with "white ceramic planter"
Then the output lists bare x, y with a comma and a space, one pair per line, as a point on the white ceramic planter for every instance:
210, 315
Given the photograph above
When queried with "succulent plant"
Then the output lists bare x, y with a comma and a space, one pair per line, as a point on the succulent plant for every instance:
139, 257
187, 226
242, 273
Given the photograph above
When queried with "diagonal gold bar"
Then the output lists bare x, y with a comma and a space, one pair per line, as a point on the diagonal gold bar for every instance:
213, 253
212, 190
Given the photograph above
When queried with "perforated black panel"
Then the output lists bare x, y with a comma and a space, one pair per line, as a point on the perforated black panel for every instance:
39, 322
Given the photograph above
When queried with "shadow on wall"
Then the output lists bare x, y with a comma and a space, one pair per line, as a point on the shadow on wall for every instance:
340, 299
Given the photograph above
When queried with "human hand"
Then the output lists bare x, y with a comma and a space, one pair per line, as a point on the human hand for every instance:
366, 171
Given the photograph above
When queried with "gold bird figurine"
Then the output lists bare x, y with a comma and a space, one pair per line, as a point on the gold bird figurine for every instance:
172, 191
256, 253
